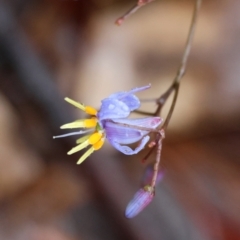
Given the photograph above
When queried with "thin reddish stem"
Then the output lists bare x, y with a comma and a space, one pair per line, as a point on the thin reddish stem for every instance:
132, 10
157, 162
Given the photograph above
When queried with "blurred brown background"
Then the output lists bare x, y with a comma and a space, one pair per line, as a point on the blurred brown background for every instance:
50, 49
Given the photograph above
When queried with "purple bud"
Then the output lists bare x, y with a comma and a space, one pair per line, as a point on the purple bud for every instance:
140, 200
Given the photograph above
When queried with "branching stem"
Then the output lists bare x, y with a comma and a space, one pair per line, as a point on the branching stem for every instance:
182, 68
173, 87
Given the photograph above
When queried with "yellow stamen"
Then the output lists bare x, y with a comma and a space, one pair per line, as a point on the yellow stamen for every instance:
75, 124
90, 123
76, 104
99, 144
82, 123
92, 139
83, 139
87, 109
95, 147
79, 147
90, 110
95, 137
85, 155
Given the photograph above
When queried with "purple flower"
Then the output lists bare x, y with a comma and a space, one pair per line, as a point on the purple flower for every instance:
111, 123
140, 200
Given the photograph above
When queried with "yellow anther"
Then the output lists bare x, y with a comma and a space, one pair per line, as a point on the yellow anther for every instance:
85, 141
98, 144
90, 123
82, 123
94, 147
90, 110
95, 137
87, 109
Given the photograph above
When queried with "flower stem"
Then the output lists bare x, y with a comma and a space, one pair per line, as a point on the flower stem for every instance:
174, 87
157, 162
132, 10
182, 68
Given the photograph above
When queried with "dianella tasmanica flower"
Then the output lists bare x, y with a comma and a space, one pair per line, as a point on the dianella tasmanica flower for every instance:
111, 122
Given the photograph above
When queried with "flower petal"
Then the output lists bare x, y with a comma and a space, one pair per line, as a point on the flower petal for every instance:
127, 150
121, 134
112, 108
148, 122
129, 98
120, 104
128, 135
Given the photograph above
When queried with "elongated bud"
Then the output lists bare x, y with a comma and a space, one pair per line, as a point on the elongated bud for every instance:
140, 200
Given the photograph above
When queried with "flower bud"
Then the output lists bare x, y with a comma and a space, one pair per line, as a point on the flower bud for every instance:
140, 200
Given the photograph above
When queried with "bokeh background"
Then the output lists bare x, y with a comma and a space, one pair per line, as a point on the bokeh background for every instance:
50, 49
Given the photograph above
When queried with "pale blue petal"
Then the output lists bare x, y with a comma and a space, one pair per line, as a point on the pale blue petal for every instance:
148, 122
128, 135
121, 134
120, 104
112, 108
127, 150
130, 100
